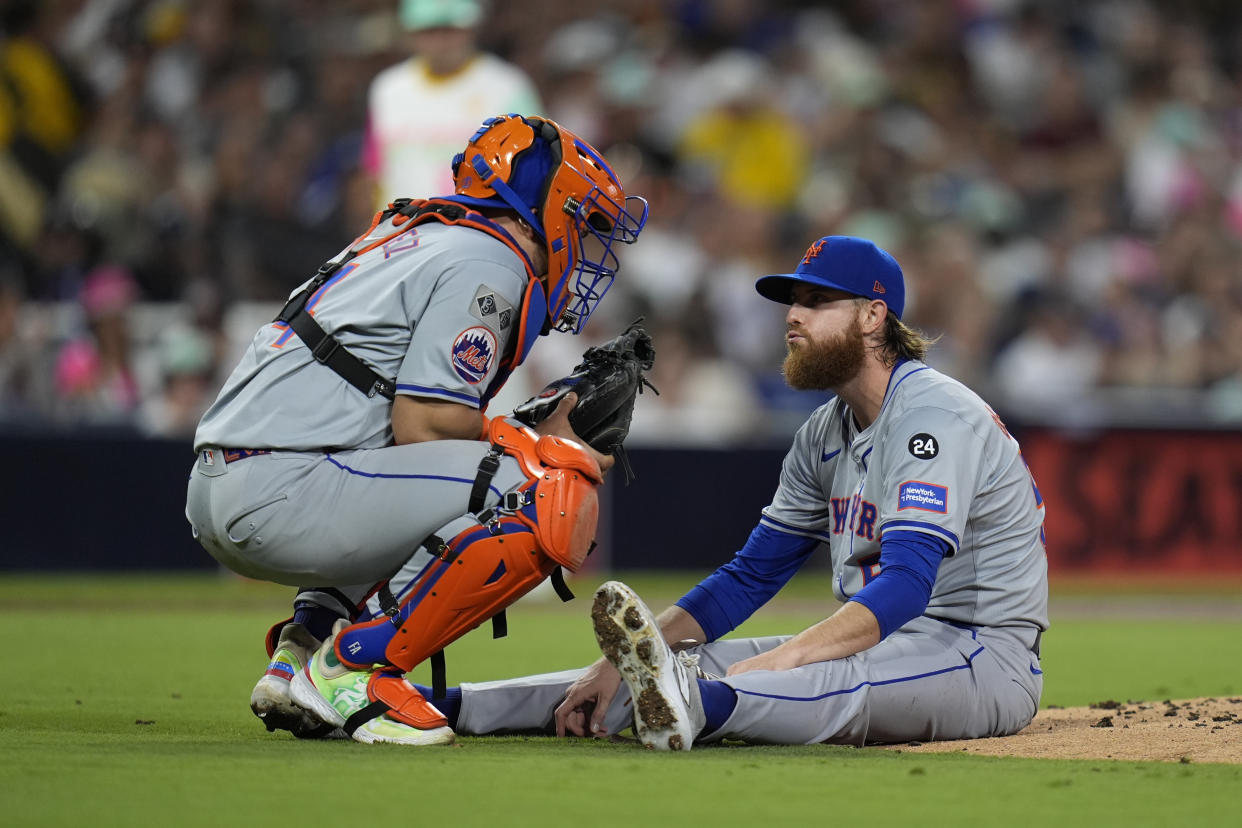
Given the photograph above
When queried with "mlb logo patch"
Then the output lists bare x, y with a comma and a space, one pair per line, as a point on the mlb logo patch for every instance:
489, 307
209, 457
473, 351
915, 494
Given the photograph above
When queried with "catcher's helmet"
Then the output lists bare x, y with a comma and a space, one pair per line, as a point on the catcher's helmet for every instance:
566, 191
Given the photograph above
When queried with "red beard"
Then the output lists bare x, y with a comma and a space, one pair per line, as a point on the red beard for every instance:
821, 366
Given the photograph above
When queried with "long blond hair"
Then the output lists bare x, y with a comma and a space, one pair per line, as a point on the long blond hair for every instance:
901, 342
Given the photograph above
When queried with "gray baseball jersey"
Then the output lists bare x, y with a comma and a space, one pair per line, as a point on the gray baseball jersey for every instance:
937, 461
335, 503
437, 308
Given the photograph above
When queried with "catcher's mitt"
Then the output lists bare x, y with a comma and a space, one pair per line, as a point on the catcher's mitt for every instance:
607, 382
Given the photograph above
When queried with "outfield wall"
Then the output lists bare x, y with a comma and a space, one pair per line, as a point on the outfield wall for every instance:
1148, 502
1123, 501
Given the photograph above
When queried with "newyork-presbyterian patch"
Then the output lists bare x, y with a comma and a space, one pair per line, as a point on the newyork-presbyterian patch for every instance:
473, 351
915, 494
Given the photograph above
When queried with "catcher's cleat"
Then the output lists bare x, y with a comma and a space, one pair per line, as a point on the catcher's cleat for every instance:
368, 705
668, 710
270, 698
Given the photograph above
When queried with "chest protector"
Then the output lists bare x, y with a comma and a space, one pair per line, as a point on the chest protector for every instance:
402, 216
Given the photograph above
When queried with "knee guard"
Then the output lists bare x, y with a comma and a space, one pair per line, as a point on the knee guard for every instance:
492, 558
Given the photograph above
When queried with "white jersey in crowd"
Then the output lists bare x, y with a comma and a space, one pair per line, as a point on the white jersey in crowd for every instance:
416, 120
937, 460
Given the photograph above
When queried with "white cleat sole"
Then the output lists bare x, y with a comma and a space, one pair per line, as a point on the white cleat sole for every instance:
271, 702
435, 736
303, 693
629, 637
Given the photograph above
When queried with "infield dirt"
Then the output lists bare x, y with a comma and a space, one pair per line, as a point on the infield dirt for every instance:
1193, 730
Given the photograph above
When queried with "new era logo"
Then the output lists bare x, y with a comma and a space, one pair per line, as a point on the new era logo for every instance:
878, 288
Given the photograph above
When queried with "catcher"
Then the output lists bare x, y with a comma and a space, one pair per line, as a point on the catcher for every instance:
348, 453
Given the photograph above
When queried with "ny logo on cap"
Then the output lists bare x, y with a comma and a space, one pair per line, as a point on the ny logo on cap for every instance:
813, 251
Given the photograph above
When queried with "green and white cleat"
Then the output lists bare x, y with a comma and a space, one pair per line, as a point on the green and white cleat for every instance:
369, 706
270, 698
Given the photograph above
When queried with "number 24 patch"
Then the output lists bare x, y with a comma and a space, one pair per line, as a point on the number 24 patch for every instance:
923, 446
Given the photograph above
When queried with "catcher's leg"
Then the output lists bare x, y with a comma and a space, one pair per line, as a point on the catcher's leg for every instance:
487, 562
270, 700
290, 644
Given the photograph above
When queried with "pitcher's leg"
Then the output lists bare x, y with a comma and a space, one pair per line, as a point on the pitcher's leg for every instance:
926, 681
716, 658
528, 703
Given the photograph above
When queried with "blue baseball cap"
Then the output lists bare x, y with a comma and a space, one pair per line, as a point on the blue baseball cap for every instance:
845, 263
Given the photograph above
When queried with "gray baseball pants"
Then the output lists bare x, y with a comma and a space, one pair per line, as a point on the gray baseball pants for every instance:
929, 680
346, 520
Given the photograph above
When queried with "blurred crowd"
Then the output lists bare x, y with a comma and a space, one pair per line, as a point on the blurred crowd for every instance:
1061, 181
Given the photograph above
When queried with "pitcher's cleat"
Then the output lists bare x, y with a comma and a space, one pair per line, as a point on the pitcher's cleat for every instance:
270, 698
668, 710
368, 705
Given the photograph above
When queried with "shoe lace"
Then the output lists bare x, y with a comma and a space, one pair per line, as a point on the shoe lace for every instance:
690, 661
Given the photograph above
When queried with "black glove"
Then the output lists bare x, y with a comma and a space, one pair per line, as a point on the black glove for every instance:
607, 382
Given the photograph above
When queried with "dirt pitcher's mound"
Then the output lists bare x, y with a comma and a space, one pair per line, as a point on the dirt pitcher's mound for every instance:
1196, 730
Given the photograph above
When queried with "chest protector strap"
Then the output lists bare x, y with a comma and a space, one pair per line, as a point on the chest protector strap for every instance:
402, 216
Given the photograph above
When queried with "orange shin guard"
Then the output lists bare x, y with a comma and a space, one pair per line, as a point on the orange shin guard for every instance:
489, 573
548, 521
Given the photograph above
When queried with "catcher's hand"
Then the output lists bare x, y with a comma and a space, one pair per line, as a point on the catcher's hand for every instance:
607, 382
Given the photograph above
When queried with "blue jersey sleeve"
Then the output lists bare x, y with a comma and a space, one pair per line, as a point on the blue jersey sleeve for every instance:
729, 596
908, 565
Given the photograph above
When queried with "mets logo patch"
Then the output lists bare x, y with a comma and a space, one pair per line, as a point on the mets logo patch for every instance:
915, 494
473, 351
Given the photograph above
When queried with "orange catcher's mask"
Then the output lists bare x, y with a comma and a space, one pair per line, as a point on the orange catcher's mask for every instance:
565, 190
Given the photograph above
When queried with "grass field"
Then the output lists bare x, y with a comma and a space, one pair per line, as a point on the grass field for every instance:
126, 704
